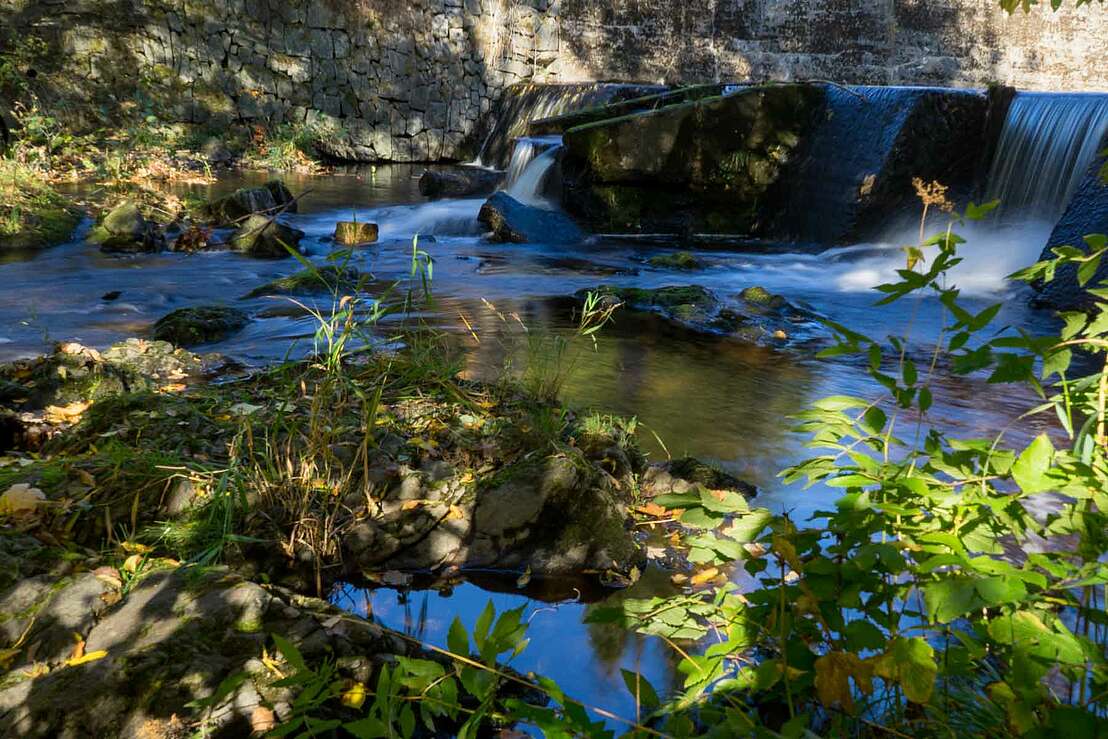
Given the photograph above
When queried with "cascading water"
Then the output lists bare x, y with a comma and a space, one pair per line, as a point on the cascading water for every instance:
1047, 144
526, 150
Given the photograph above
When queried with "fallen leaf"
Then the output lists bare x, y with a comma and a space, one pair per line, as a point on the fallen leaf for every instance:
86, 658
704, 576
21, 498
132, 563
262, 720
78, 649
132, 547
653, 509
65, 414
655, 552
354, 696
524, 579
410, 504
244, 409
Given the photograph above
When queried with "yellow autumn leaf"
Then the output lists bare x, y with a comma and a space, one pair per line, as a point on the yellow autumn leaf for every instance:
65, 414
354, 696
132, 547
132, 563
21, 498
410, 504
86, 658
704, 576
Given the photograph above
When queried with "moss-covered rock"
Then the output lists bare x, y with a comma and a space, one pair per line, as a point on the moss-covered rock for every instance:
125, 230
755, 316
355, 233
273, 197
676, 260
200, 325
262, 236
321, 279
701, 166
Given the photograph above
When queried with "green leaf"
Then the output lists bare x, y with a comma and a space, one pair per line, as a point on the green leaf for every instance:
949, 599
1030, 468
457, 639
290, 653
641, 689
911, 663
861, 635
976, 212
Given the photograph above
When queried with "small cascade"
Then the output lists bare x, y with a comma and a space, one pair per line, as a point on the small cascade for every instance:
525, 150
522, 104
1047, 144
529, 187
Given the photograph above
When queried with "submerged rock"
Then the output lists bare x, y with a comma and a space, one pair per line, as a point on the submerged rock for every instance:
355, 233
509, 220
125, 230
200, 325
460, 182
757, 316
262, 236
677, 260
320, 279
271, 198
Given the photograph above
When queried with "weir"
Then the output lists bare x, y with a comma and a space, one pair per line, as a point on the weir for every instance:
1046, 146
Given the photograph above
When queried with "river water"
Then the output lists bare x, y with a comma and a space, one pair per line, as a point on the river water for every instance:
708, 396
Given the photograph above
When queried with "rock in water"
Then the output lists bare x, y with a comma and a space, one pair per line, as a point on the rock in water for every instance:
459, 183
511, 221
125, 230
268, 199
262, 236
355, 233
1087, 214
328, 278
199, 325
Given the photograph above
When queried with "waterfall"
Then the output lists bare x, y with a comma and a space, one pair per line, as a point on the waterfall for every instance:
528, 186
524, 151
1047, 144
522, 104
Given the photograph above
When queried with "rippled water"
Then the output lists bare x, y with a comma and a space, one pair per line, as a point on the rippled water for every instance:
702, 395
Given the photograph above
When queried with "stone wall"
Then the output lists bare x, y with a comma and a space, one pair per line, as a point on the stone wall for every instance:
408, 80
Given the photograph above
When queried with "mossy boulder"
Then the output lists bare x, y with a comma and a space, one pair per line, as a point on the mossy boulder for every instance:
701, 166
355, 233
320, 279
268, 199
200, 325
676, 260
125, 230
262, 236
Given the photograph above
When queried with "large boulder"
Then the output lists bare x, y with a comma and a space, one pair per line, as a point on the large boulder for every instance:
459, 182
273, 197
264, 236
701, 166
509, 220
1086, 214
125, 230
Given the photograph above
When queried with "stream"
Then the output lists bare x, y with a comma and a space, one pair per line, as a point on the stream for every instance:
711, 397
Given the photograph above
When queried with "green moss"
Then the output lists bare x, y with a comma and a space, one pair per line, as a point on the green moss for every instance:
759, 296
